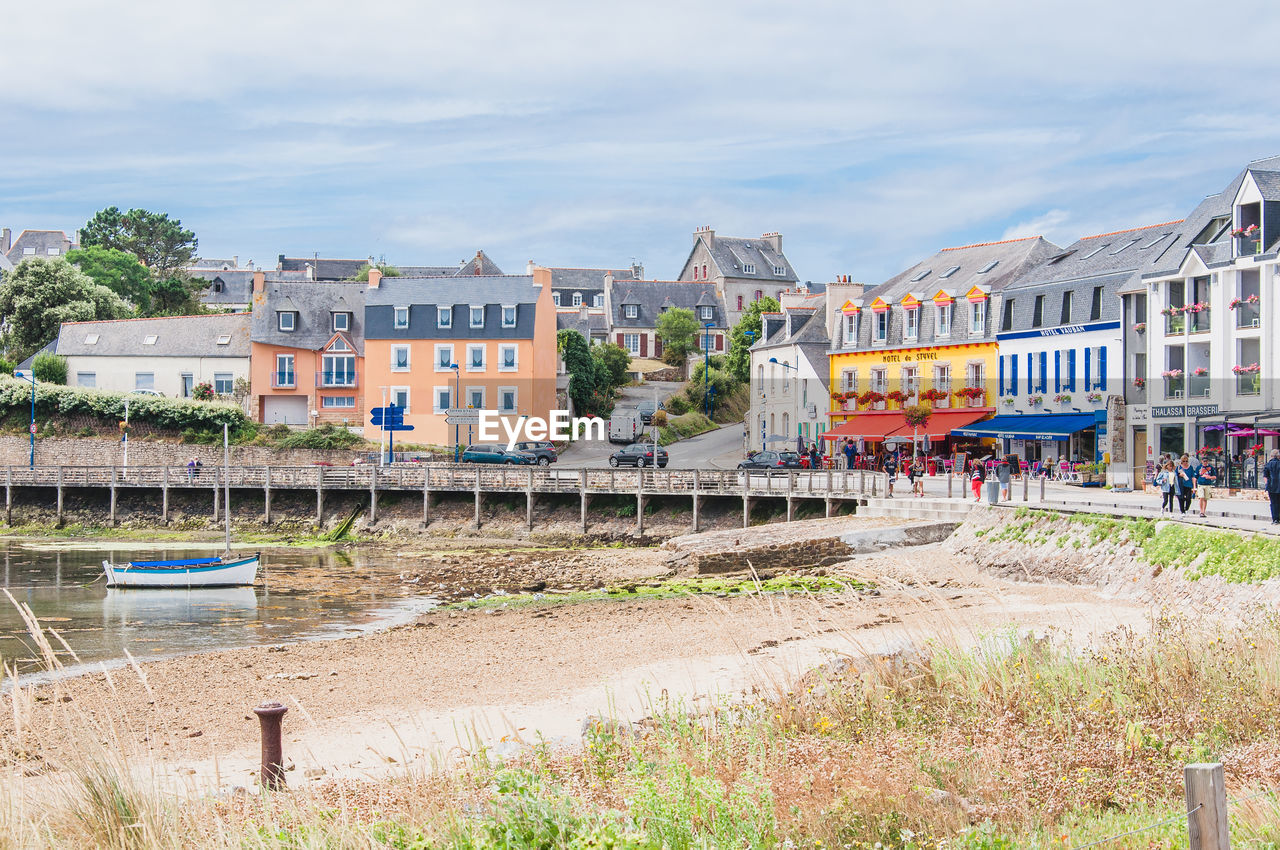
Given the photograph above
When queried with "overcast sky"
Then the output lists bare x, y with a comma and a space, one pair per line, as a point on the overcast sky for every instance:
586, 134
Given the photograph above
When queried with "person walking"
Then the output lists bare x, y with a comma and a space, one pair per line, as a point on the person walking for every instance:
1004, 474
1271, 477
891, 472
977, 474
848, 454
1204, 486
917, 477
1165, 481
1186, 483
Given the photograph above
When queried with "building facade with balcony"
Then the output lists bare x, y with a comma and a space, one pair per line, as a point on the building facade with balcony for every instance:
308, 352
1200, 372
1061, 358
790, 393
927, 334
499, 331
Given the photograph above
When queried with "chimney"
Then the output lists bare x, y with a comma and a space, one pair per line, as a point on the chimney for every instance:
6, 240
582, 311
311, 272
259, 281
608, 279
707, 234
280, 263
774, 239
637, 270
235, 261
375, 278
528, 267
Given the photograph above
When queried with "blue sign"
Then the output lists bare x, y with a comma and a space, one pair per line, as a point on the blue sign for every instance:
386, 416
396, 427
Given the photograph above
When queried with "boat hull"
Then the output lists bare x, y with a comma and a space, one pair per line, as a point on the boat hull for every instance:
234, 573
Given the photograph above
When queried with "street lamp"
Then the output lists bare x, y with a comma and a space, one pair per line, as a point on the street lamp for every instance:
457, 390
706, 368
30, 378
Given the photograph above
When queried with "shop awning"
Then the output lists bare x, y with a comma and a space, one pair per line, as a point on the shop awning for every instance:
943, 422
1013, 426
871, 425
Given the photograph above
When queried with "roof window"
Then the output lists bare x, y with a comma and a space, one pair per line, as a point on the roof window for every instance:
149, 339
1156, 241
91, 339
1128, 244
921, 275
224, 339
948, 273
1097, 250
1057, 258
988, 267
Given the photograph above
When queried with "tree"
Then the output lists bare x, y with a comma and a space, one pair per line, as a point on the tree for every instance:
615, 360
161, 243
40, 294
119, 271
177, 296
745, 334
589, 387
49, 368
678, 329
387, 271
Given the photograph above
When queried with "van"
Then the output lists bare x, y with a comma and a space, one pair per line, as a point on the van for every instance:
625, 426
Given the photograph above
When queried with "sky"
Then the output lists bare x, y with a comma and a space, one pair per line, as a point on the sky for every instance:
592, 134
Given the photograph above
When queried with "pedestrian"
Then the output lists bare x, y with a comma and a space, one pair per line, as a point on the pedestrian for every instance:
849, 452
891, 472
191, 470
1004, 473
1271, 475
977, 474
815, 457
917, 477
1185, 480
1165, 481
1204, 486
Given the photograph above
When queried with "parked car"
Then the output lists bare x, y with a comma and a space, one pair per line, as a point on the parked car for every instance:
638, 454
771, 460
543, 451
142, 391
496, 454
625, 425
647, 409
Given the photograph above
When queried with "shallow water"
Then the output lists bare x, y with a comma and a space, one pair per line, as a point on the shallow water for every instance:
302, 594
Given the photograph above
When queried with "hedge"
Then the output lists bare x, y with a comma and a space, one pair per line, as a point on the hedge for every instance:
53, 401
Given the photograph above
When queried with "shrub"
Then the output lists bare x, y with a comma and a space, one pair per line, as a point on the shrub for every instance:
49, 368
203, 391
324, 437
677, 405
6, 367
55, 402
659, 418
722, 382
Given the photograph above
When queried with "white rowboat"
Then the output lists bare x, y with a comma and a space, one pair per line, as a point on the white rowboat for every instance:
195, 572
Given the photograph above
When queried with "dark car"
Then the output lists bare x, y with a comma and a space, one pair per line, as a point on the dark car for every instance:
771, 460
496, 454
638, 454
544, 451
647, 409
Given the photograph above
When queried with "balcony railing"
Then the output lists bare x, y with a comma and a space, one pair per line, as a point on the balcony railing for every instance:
1249, 245
336, 379
1200, 322
1175, 323
1249, 383
284, 380
1174, 387
1198, 386
1247, 315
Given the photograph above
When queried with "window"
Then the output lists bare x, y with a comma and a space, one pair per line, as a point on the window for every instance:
948, 273
339, 370
921, 275
144, 380
708, 342
1100, 248
509, 312
911, 323
339, 345
704, 313
631, 342
740, 299
188, 384
1037, 312
1006, 323
223, 383
577, 299
91, 339
477, 316
287, 320
944, 319
475, 397
86, 379
779, 270
402, 318
331, 402
1127, 244
748, 268
910, 380
880, 380
444, 318
882, 327
555, 298
400, 398
507, 399
224, 339
52, 252
475, 358
342, 321
597, 301
444, 358
759, 294
443, 399
704, 271
507, 358
988, 267
977, 317
28, 252
1095, 308
149, 339
1155, 242
631, 311
849, 380
851, 329
942, 377
284, 376
399, 358
217, 284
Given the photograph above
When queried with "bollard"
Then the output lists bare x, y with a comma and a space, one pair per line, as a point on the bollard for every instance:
270, 717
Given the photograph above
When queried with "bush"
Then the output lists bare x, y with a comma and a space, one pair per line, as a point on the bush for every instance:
6, 367
677, 405
324, 437
49, 368
695, 391
203, 391
55, 402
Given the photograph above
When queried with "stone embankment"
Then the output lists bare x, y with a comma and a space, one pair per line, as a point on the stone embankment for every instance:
89, 451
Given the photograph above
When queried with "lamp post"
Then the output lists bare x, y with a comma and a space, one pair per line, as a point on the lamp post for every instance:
457, 390
30, 378
706, 368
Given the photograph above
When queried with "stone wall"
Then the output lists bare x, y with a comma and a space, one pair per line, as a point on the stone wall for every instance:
67, 451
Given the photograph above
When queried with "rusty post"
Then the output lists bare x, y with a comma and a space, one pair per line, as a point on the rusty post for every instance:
270, 717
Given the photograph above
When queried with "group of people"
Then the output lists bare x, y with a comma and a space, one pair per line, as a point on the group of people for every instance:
1182, 480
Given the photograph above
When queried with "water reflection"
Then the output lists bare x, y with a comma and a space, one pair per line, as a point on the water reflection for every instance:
304, 594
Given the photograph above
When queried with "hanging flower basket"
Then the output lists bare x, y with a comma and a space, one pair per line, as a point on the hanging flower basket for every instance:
1251, 369
1009, 402
1035, 399
1171, 373
1140, 327
1096, 397
917, 415
1062, 398
1139, 382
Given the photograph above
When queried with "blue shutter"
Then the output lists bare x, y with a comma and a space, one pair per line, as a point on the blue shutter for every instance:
1102, 367
1000, 377
1013, 374
1088, 353
1071, 370
1057, 371
1044, 372
1031, 373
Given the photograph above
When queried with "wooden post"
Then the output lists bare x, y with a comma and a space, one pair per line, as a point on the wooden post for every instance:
696, 487
59, 495
1206, 807
582, 497
426, 494
164, 496
373, 494
477, 474
8, 495
639, 500
216, 494
266, 496
528, 500
112, 512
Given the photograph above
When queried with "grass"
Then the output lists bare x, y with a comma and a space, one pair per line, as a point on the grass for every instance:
163, 535
685, 426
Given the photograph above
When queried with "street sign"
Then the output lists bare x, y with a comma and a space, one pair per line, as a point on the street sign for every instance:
400, 427
462, 416
389, 415
33, 427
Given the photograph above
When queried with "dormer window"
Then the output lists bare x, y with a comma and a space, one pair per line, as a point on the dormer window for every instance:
287, 321
779, 270
944, 319
477, 316
882, 327
555, 298
631, 311
577, 299
705, 314
444, 317
401, 318
509, 314
748, 268
851, 329
911, 323
342, 321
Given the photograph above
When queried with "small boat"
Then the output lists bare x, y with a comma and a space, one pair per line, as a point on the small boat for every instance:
193, 572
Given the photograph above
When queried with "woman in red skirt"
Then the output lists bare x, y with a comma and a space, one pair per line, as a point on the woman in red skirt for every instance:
977, 473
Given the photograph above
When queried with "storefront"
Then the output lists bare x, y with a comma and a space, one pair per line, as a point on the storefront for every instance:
1052, 436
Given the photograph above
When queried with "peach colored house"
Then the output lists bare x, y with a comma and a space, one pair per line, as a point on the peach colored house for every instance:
498, 330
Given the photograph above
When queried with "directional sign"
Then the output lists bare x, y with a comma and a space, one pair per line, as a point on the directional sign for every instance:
400, 427
463, 416
390, 415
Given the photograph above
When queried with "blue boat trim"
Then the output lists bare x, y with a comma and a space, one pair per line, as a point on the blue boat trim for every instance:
137, 568
192, 562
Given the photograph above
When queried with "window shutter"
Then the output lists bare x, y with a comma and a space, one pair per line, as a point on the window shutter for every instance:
1071, 369
1044, 372
1088, 372
657, 346
644, 345
1057, 371
1031, 373
1000, 377
622, 341
1013, 374
1102, 367
719, 343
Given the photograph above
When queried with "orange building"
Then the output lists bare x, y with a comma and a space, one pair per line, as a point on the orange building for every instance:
499, 331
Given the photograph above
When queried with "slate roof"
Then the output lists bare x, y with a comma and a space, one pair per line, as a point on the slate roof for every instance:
652, 295
594, 322
40, 241
5, 265
1268, 183
478, 266
428, 271
237, 284
588, 280
313, 301
325, 269
808, 333
485, 289
176, 336
732, 254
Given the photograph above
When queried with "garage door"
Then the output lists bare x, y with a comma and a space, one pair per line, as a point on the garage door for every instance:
287, 410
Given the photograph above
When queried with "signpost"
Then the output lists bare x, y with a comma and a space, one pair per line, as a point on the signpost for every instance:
462, 416
390, 419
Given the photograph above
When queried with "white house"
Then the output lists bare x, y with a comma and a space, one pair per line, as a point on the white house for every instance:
789, 379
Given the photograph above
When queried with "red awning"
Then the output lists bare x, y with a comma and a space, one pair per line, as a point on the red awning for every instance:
942, 422
871, 425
